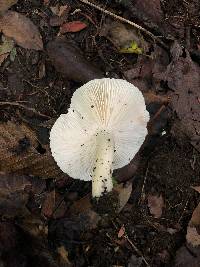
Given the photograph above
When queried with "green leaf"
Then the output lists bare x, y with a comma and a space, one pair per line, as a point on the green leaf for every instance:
132, 49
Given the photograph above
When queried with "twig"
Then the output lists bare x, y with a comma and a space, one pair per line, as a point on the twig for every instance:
126, 21
142, 196
16, 104
136, 250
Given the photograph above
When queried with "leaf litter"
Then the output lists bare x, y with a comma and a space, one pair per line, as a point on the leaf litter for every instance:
21, 29
169, 81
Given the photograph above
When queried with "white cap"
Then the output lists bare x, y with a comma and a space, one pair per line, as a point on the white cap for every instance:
113, 106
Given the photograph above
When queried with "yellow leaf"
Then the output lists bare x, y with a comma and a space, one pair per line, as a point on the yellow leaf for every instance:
132, 49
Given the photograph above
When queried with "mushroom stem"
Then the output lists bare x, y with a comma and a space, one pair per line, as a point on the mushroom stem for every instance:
102, 176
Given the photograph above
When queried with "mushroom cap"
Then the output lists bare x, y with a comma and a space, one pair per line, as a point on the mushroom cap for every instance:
111, 105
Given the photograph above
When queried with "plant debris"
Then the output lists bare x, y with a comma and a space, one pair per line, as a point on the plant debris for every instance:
68, 60
50, 48
156, 205
21, 29
74, 26
6, 4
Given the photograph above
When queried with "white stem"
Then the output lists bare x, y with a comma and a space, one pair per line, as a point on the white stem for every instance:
102, 176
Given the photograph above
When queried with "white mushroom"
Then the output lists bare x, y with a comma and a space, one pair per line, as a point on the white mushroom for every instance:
103, 130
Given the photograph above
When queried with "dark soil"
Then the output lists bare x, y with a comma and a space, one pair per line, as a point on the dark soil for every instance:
168, 164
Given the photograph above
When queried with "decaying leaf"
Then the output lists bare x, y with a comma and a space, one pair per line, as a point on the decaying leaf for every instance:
193, 236
196, 188
124, 192
7, 45
187, 257
21, 29
156, 205
81, 206
21, 152
49, 204
5, 48
63, 257
60, 15
74, 26
69, 60
121, 232
125, 38
6, 4
15, 191
182, 77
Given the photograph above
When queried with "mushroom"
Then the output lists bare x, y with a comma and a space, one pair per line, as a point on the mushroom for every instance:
103, 130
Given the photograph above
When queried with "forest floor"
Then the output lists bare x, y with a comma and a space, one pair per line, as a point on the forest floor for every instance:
49, 49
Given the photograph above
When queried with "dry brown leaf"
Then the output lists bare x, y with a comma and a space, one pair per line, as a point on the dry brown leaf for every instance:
121, 232
15, 191
6, 4
63, 257
196, 188
3, 57
82, 205
124, 192
21, 152
156, 205
187, 257
22, 30
49, 204
182, 77
193, 236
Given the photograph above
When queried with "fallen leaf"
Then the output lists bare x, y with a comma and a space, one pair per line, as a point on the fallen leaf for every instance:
3, 57
135, 261
121, 232
146, 12
124, 192
132, 49
5, 48
34, 226
9, 237
182, 77
69, 60
49, 204
63, 256
125, 38
74, 26
196, 188
187, 257
82, 205
63, 9
6, 4
22, 152
193, 236
15, 191
125, 173
21, 29
7, 45
60, 15
156, 205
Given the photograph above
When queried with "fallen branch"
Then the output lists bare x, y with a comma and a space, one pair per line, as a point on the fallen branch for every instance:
126, 21
16, 104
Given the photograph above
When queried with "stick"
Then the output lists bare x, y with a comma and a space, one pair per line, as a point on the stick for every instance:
126, 21
136, 250
15, 104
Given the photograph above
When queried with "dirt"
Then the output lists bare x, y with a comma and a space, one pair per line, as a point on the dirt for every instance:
34, 91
